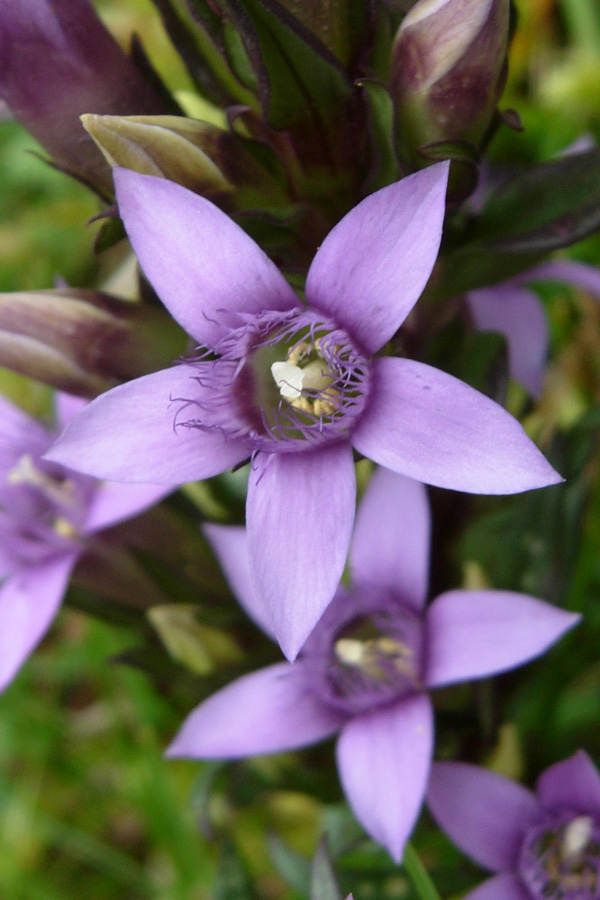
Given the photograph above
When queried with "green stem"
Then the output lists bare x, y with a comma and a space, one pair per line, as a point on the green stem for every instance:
418, 875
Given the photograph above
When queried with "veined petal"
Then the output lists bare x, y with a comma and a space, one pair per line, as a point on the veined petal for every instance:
114, 502
372, 267
517, 314
506, 886
572, 784
432, 427
472, 634
29, 600
202, 265
383, 759
483, 813
129, 434
230, 544
299, 512
390, 544
268, 711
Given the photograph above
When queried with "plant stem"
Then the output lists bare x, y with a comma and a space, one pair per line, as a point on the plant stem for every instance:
418, 875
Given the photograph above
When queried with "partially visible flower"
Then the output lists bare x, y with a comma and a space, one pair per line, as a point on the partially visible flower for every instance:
296, 385
57, 61
367, 667
542, 846
517, 313
48, 515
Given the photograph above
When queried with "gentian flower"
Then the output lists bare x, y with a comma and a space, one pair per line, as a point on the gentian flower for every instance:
542, 846
367, 667
296, 385
516, 312
48, 516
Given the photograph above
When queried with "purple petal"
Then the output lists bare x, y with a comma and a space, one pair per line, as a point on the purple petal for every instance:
572, 784
390, 544
19, 434
569, 271
371, 269
434, 428
383, 759
114, 502
129, 434
472, 634
202, 265
299, 513
268, 711
505, 886
483, 813
29, 600
230, 544
518, 315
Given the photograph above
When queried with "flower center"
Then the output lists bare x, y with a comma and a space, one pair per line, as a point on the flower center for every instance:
283, 380
560, 859
306, 381
366, 651
44, 508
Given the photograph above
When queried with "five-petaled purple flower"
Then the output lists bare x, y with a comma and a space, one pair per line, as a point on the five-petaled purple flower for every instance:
543, 845
296, 385
47, 515
370, 661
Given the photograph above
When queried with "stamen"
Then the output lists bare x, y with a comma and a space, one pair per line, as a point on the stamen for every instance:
27, 473
576, 837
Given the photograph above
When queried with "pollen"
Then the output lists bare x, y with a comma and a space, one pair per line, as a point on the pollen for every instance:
63, 528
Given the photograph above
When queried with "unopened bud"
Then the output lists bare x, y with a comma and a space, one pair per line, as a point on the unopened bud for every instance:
57, 61
448, 71
84, 341
198, 155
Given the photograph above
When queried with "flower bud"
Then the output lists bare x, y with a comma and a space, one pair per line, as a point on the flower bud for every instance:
83, 341
447, 73
57, 61
198, 155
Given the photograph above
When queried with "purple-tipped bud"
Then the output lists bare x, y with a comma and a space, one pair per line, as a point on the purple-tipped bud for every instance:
202, 157
448, 71
57, 61
83, 341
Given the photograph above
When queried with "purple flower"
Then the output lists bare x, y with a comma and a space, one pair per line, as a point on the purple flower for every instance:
368, 665
543, 845
47, 516
296, 385
516, 312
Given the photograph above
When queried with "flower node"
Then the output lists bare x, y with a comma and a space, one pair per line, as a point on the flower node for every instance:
560, 859
366, 651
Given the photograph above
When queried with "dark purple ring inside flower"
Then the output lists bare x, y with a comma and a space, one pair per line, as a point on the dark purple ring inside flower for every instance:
560, 858
294, 378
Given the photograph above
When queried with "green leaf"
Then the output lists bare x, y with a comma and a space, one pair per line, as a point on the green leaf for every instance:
232, 881
298, 78
293, 868
323, 881
549, 206
384, 168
